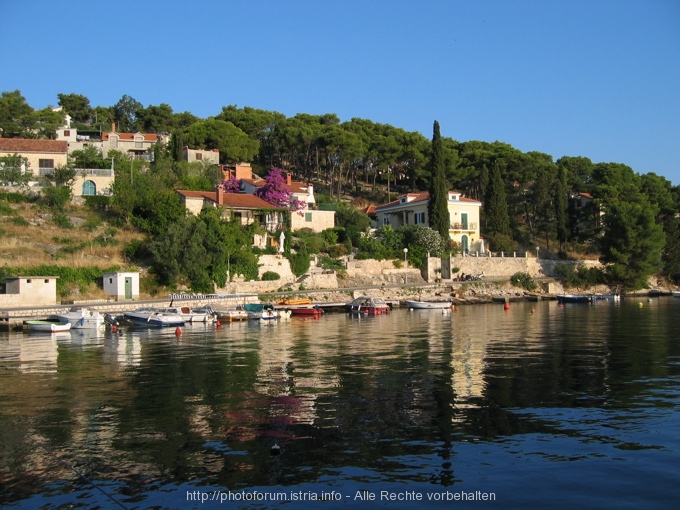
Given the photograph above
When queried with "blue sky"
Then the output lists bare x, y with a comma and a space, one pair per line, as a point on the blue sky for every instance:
596, 78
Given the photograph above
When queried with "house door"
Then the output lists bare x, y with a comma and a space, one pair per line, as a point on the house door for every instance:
446, 268
128, 288
464, 245
464, 220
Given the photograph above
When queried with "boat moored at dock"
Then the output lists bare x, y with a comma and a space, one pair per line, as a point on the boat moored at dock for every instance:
155, 317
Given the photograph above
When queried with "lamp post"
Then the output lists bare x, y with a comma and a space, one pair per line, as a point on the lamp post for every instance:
537, 248
405, 254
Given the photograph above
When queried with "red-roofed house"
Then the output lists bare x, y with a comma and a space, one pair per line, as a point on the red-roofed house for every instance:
309, 217
247, 208
43, 155
411, 209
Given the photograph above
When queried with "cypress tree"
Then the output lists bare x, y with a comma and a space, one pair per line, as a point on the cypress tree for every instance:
496, 206
437, 207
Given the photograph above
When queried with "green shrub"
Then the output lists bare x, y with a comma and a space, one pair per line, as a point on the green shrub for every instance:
524, 281
92, 223
299, 263
22, 222
61, 220
5, 208
337, 250
269, 276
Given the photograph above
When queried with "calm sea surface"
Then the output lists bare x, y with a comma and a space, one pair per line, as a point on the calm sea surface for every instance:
538, 406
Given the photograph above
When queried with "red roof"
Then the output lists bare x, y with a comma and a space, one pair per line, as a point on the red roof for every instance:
421, 196
231, 200
148, 137
20, 145
294, 186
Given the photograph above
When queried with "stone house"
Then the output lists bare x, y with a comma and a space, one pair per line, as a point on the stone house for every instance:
201, 156
411, 209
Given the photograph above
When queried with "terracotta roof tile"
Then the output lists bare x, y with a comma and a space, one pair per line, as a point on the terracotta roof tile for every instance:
231, 200
20, 145
148, 137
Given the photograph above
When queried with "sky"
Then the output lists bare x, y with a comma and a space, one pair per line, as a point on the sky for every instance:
592, 78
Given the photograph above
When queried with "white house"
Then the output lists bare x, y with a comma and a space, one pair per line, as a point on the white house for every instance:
121, 285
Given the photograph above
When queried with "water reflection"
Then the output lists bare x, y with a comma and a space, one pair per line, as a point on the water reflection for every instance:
420, 398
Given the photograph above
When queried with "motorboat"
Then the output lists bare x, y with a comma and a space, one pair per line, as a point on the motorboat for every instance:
574, 298
204, 314
307, 310
259, 311
676, 293
155, 317
428, 305
367, 305
80, 318
49, 326
294, 301
237, 314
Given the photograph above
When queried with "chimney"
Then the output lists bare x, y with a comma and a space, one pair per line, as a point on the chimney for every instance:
220, 194
113, 127
289, 178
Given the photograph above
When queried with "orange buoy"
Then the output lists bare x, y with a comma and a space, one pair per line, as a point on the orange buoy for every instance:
218, 324
114, 328
506, 306
178, 332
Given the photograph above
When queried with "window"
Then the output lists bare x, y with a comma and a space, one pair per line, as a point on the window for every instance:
199, 156
110, 280
46, 163
308, 216
29, 281
419, 218
67, 132
47, 281
89, 188
139, 144
386, 220
464, 220
113, 141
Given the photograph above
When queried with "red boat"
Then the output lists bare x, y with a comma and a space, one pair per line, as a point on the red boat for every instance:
314, 311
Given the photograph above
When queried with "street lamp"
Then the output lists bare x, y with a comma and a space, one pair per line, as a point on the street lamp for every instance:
537, 248
405, 253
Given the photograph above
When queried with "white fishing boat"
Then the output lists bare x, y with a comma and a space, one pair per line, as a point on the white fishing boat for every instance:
367, 305
258, 311
428, 305
48, 326
155, 317
80, 318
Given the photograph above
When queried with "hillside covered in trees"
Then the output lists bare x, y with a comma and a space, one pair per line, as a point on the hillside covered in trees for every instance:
572, 205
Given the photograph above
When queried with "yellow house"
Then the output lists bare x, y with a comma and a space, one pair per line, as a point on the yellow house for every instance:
411, 209
43, 155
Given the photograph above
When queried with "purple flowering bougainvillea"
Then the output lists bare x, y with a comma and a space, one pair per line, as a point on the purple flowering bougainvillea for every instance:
231, 185
277, 193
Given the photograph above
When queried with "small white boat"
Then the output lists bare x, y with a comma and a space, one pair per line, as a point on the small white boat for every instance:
367, 305
49, 327
427, 305
155, 317
676, 293
193, 314
80, 318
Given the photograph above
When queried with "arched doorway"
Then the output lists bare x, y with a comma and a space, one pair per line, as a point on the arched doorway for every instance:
464, 244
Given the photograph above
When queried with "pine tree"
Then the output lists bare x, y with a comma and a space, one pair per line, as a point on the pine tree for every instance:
438, 209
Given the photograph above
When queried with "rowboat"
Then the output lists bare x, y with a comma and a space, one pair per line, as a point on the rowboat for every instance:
49, 327
367, 305
425, 305
80, 318
155, 317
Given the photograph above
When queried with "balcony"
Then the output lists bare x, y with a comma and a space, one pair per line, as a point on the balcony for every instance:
461, 226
